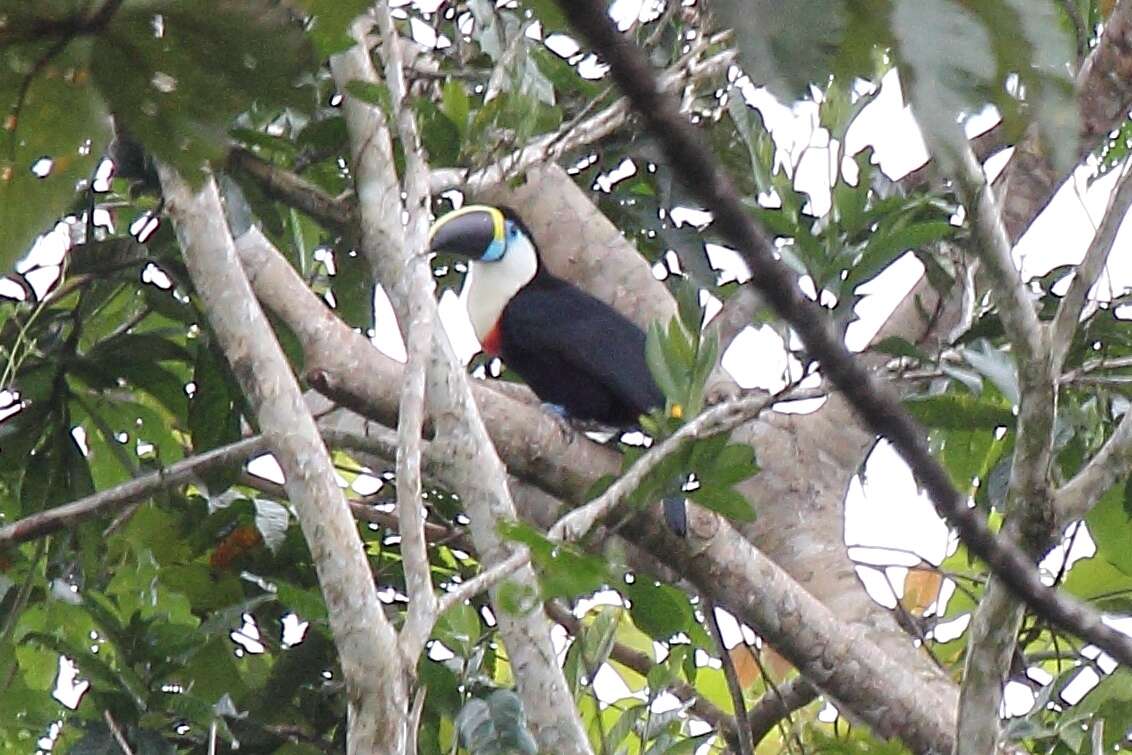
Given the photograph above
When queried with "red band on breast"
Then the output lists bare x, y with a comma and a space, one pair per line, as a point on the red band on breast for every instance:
493, 342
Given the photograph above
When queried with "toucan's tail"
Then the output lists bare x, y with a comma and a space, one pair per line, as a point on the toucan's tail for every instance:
676, 514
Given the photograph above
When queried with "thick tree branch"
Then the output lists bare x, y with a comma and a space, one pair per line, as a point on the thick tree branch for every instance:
293, 190
365, 639
700, 171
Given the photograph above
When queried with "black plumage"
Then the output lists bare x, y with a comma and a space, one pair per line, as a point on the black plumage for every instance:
577, 352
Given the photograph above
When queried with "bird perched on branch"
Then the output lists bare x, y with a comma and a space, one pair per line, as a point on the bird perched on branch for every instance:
574, 351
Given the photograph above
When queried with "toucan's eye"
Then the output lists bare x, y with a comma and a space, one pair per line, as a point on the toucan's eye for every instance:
512, 230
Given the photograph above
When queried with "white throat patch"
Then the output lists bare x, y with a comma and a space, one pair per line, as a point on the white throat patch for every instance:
489, 286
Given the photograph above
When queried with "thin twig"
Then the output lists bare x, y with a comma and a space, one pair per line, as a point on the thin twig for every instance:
712, 421
116, 732
178, 473
1069, 311
746, 746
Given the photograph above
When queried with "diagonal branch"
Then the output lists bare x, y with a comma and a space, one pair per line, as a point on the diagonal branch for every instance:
699, 169
176, 474
1112, 463
1069, 311
712, 421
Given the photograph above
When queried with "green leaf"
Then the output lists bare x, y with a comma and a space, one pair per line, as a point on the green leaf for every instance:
597, 639
456, 106
55, 123
495, 726
459, 629
881, 251
735, 463
549, 15
214, 416
440, 135
786, 44
177, 92
1111, 529
658, 610
563, 570
899, 347
945, 54
658, 364
374, 93
960, 411
624, 727
330, 21
723, 500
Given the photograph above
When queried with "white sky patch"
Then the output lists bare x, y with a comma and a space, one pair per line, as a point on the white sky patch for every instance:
366, 484
387, 338
887, 125
882, 295
69, 688
266, 467
1062, 233
563, 45
294, 629
454, 316
424, 34
888, 510
756, 359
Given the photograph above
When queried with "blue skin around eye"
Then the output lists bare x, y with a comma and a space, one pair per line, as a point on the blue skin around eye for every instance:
497, 247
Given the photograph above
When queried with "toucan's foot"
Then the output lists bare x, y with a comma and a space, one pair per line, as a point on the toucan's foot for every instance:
565, 426
676, 514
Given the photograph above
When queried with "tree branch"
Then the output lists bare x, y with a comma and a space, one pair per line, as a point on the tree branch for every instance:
293, 190
365, 640
878, 407
1069, 311
712, 421
734, 687
473, 466
1112, 463
178, 473
416, 281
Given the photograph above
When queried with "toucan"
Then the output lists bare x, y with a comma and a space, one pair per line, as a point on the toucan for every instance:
575, 351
